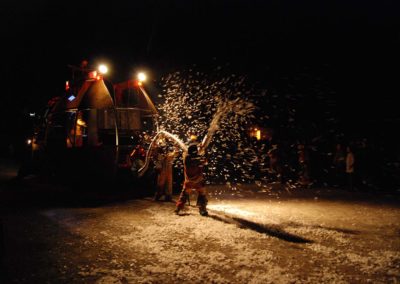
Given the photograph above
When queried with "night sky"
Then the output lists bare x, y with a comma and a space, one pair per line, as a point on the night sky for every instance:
353, 45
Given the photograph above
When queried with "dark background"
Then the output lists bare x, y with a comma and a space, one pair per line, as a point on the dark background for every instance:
352, 46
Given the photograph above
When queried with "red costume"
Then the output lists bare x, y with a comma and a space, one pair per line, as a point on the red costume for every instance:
194, 180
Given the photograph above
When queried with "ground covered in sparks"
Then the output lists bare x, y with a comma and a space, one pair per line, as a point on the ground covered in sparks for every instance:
252, 235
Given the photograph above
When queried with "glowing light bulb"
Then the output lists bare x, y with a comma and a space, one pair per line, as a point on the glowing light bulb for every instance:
103, 69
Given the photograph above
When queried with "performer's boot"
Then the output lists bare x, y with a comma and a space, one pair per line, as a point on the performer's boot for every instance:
202, 204
180, 204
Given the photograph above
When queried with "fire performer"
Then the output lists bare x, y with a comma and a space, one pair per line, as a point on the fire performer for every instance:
194, 180
164, 179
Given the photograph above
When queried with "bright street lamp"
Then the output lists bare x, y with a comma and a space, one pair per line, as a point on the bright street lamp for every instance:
142, 77
103, 69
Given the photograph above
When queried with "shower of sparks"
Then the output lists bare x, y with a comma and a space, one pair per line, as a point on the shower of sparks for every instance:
196, 104
226, 107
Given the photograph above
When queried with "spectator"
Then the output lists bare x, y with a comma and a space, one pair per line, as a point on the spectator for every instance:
362, 166
164, 179
350, 167
339, 164
275, 167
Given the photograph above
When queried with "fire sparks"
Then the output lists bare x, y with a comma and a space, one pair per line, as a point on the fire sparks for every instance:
202, 105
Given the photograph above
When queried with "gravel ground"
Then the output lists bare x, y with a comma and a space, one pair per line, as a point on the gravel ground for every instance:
252, 235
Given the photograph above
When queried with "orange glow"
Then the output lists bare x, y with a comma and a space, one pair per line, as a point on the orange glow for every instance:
258, 134
93, 75
137, 83
66, 85
80, 122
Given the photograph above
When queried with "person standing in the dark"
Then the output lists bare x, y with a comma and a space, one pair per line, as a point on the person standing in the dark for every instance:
363, 166
339, 164
165, 176
350, 167
158, 159
275, 166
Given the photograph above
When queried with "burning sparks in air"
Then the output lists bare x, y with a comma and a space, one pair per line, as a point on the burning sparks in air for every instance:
247, 139
196, 104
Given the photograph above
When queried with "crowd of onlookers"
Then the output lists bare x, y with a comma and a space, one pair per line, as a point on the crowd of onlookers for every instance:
359, 164
355, 165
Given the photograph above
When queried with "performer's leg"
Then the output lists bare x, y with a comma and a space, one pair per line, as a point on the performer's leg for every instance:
168, 187
183, 197
202, 201
160, 187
